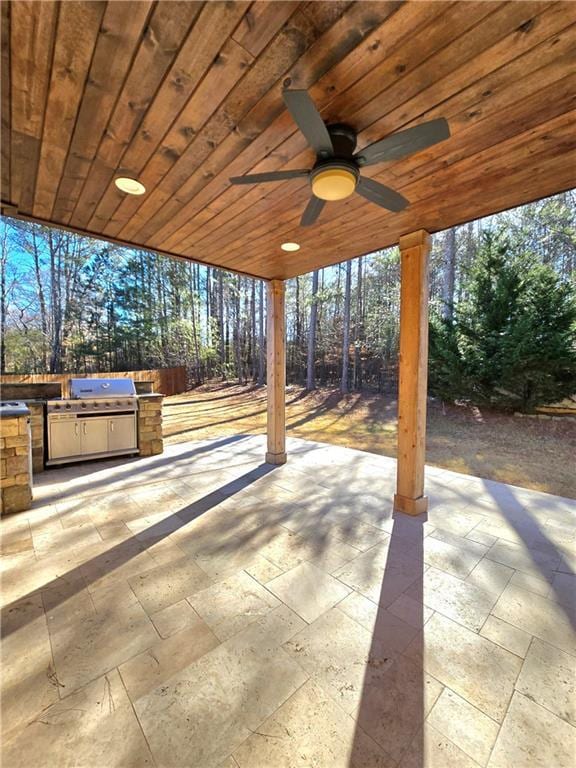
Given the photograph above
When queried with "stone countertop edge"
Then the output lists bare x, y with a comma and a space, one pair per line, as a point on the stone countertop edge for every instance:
15, 411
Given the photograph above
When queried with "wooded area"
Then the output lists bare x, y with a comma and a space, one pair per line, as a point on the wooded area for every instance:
70, 303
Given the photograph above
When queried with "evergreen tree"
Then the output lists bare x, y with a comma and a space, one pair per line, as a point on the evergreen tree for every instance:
512, 343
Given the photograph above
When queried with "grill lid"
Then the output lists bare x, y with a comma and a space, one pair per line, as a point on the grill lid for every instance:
88, 389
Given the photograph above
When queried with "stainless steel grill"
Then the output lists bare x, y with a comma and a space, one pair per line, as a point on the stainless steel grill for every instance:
97, 420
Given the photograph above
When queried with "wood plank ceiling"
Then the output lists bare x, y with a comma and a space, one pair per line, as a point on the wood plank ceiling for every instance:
182, 95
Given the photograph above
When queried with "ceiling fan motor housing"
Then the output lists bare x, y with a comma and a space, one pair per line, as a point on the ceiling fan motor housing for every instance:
343, 140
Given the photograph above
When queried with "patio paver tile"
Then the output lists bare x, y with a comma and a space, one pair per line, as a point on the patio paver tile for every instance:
457, 561
165, 658
433, 750
533, 736
87, 724
465, 662
467, 727
548, 677
509, 637
173, 618
536, 615
86, 644
230, 605
366, 572
413, 612
531, 583
168, 584
28, 684
262, 570
481, 538
309, 729
490, 576
201, 714
563, 591
334, 651
382, 623
459, 600
308, 590
532, 561
387, 693
459, 523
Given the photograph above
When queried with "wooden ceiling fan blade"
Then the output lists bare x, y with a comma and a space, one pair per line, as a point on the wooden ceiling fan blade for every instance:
404, 143
312, 211
306, 116
381, 195
259, 178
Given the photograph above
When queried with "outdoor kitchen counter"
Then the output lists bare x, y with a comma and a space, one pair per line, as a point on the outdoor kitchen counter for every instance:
15, 469
37, 415
150, 439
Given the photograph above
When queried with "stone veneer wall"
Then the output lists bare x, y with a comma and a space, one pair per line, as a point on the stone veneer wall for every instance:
15, 480
37, 424
150, 441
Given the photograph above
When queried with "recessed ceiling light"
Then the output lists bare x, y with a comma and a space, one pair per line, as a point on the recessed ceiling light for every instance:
290, 247
130, 186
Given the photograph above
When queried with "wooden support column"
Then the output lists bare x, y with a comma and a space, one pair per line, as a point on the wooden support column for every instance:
276, 374
413, 373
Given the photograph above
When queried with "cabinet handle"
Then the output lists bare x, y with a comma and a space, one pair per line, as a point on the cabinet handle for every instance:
84, 428
111, 426
76, 429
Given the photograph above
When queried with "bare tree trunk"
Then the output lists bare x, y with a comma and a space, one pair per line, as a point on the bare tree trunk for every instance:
236, 334
346, 330
208, 308
253, 361
449, 274
261, 348
310, 373
3, 302
221, 324
357, 375
296, 346
55, 305
193, 320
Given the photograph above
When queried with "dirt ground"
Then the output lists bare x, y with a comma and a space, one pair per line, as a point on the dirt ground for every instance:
533, 453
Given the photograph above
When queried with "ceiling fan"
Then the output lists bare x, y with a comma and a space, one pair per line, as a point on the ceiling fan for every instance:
336, 172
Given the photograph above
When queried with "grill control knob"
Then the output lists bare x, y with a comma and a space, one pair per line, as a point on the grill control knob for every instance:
68, 406
83, 405
56, 407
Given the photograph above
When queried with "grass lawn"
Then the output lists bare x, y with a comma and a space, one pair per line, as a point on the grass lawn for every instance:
534, 453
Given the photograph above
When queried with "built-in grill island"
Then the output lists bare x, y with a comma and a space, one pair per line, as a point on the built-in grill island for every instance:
98, 419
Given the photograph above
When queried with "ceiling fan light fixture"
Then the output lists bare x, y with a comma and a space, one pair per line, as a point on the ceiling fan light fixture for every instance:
336, 173
334, 183
129, 186
289, 247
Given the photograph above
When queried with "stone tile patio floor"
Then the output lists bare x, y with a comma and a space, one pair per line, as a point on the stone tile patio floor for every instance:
201, 608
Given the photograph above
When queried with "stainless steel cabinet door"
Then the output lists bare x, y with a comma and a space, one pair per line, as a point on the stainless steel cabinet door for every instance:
94, 435
64, 439
122, 433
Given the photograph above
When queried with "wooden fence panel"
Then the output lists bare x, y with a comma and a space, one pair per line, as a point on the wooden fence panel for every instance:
168, 381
